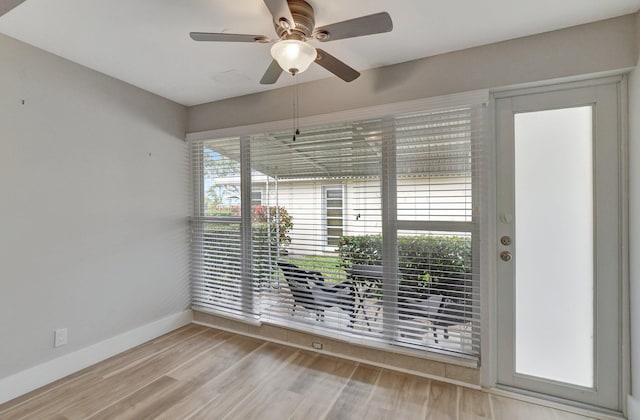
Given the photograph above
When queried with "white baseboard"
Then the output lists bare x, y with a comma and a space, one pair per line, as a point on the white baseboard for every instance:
33, 378
633, 407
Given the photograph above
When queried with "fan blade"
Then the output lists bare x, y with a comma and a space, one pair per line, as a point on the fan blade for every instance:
336, 66
365, 25
280, 11
271, 75
222, 37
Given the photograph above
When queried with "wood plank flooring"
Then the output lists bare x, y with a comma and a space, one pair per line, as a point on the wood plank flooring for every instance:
197, 372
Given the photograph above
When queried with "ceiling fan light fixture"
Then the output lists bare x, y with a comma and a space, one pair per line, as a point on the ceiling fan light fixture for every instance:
293, 55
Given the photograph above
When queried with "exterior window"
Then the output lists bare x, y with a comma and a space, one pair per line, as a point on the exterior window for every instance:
256, 198
334, 211
366, 229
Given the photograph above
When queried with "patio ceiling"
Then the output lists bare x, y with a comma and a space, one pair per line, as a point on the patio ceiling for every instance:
428, 145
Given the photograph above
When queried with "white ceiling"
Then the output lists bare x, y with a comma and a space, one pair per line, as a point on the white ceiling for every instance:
146, 42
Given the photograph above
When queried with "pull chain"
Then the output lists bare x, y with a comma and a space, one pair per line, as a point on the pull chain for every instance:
296, 110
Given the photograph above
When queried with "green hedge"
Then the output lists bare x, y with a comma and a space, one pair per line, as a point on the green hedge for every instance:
432, 264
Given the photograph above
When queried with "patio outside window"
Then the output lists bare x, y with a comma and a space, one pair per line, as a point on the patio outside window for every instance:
365, 231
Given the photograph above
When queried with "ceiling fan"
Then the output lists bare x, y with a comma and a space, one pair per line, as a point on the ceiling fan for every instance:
294, 22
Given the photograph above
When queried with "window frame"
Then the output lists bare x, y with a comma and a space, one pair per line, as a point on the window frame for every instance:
468, 98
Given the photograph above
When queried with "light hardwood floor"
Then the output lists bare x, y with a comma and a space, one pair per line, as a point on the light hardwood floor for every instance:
202, 373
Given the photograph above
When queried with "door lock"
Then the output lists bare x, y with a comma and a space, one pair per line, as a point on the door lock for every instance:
505, 256
505, 240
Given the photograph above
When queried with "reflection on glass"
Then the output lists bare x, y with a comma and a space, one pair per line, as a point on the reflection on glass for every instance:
554, 245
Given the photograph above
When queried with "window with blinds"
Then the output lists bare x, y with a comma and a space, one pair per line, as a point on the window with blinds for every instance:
365, 231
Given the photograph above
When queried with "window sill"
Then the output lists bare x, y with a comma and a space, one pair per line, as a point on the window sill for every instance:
456, 370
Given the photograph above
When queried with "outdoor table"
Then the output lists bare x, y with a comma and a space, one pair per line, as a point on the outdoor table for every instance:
368, 282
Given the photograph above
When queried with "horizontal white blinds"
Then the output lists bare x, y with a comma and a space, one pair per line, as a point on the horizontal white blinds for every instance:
437, 161
221, 278
317, 258
327, 182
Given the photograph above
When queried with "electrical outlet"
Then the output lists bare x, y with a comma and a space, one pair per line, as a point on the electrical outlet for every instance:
316, 345
60, 337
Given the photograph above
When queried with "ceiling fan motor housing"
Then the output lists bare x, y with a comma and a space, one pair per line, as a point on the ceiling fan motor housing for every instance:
303, 20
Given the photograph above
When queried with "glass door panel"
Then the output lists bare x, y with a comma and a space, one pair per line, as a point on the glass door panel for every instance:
554, 208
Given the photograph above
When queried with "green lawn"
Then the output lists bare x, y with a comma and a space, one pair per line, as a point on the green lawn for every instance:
329, 266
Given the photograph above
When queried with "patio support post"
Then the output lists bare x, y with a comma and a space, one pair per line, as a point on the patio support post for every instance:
390, 279
246, 248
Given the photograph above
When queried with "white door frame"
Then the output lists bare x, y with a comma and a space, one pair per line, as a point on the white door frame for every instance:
563, 95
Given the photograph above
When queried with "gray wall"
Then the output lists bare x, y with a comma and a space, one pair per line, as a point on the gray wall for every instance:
94, 206
596, 47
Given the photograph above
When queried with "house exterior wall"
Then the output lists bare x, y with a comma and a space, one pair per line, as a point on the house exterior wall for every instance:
419, 199
304, 202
